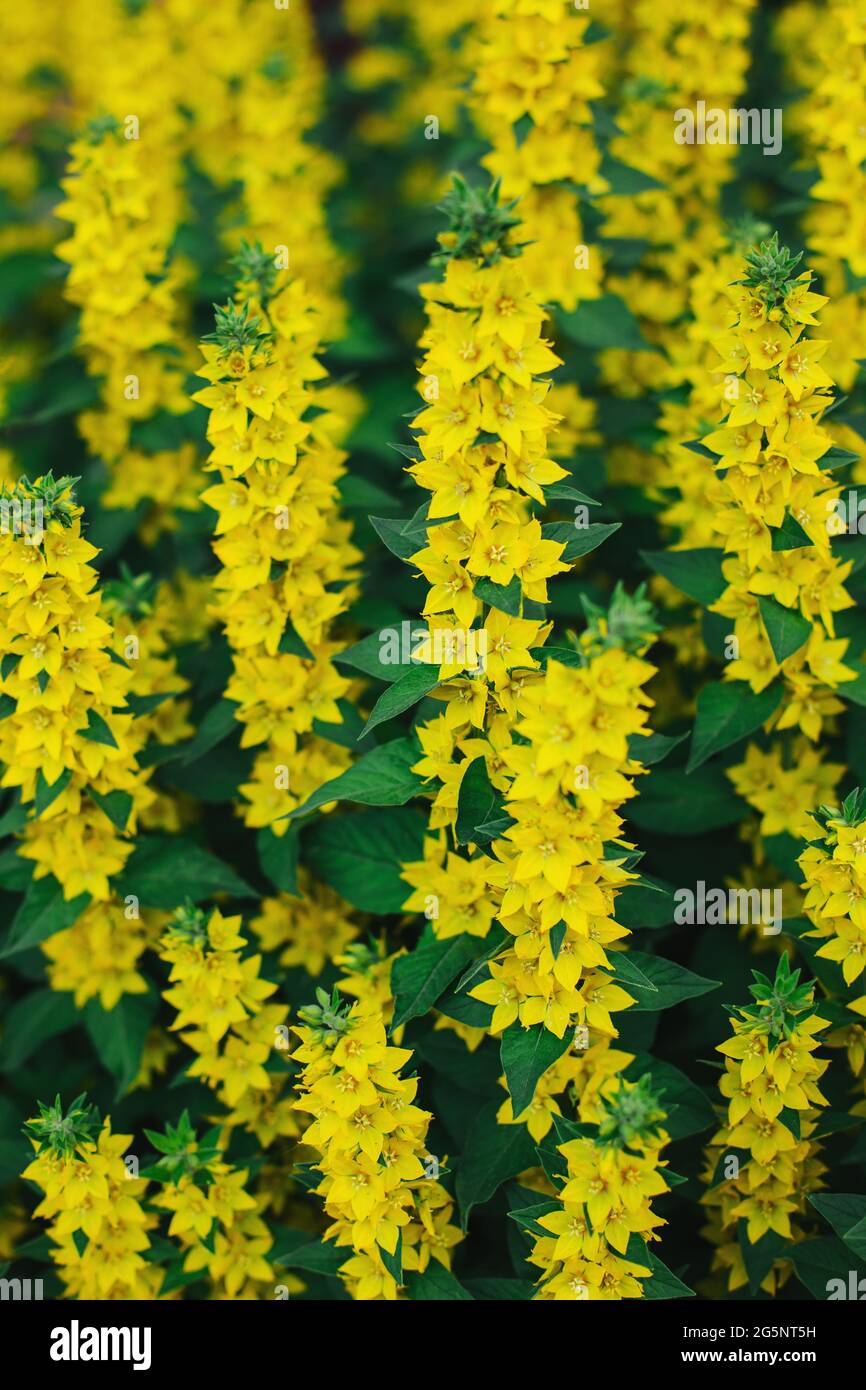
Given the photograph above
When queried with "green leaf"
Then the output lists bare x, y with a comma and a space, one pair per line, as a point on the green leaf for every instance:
624, 180
402, 543
697, 447
855, 1238
43, 912
459, 1006
527, 1218
97, 730
527, 1053
15, 872
790, 535
382, 777
493, 1153
421, 976
480, 814
118, 1034
786, 629
606, 322
315, 1256
436, 1284
32, 1021
854, 690
146, 704
647, 903
817, 1262
374, 654
46, 794
393, 1263
278, 857
728, 711
624, 969
579, 540
117, 805
292, 643
360, 855
663, 1283
688, 1110
359, 494
491, 946
649, 749
846, 1213
346, 731
176, 1277
670, 983
497, 1290
507, 598
14, 818
697, 573
674, 802
566, 656
411, 687
477, 1072
759, 1257
216, 725
837, 458
164, 870
566, 492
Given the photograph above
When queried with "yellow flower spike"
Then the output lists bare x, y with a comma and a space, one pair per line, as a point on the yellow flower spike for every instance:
89, 1191
771, 1073
379, 1184
69, 741
287, 565
771, 469
603, 1201
221, 1004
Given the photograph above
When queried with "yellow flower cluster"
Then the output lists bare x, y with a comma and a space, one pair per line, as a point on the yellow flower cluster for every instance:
220, 999
281, 170
285, 554
220, 1230
90, 1192
761, 1162
834, 870
123, 223
256, 93
309, 929
769, 448
67, 740
568, 775
693, 363
98, 956
538, 1115
604, 1203
553, 744
671, 61
826, 63
370, 1138
415, 57
534, 77
785, 785
28, 35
